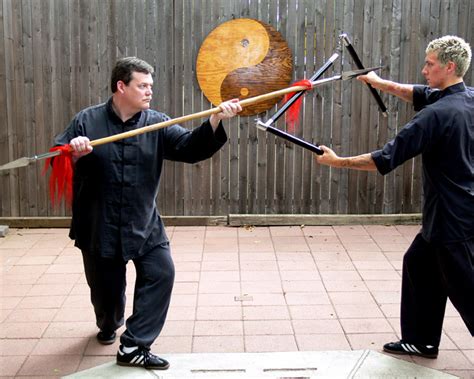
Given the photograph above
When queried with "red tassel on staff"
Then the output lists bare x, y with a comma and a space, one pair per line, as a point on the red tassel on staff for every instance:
293, 113
60, 180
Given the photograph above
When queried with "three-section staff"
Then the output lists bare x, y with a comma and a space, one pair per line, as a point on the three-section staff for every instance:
268, 125
347, 43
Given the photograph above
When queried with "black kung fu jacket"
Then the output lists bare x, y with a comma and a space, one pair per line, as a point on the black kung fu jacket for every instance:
115, 186
443, 133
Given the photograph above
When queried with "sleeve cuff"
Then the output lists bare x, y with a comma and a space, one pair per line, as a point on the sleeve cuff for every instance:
220, 135
377, 156
419, 97
217, 137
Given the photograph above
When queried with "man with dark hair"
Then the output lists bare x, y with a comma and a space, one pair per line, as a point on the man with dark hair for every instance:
124, 69
114, 213
439, 264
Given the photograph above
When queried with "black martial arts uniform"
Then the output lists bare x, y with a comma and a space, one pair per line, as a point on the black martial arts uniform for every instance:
440, 261
115, 217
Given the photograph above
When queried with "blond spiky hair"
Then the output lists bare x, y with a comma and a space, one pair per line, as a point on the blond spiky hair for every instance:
454, 49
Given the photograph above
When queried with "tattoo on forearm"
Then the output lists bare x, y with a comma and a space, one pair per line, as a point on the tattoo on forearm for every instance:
404, 91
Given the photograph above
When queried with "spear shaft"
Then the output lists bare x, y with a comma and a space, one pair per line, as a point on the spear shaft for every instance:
251, 100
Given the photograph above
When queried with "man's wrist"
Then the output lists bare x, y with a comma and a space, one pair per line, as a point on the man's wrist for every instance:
214, 121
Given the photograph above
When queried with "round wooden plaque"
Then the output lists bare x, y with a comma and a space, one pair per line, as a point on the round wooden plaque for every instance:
243, 58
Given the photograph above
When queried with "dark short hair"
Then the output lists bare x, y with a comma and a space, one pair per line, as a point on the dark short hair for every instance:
125, 67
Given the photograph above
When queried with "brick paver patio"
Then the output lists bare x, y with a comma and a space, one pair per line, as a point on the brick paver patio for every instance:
264, 289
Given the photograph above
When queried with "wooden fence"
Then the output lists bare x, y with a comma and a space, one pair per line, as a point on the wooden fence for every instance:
56, 57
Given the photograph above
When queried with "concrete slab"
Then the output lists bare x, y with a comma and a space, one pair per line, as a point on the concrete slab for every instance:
3, 230
304, 364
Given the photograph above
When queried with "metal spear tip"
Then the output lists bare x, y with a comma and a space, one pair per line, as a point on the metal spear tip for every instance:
22, 162
354, 73
25, 161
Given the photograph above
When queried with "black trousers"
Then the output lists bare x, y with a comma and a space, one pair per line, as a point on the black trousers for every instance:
432, 273
153, 286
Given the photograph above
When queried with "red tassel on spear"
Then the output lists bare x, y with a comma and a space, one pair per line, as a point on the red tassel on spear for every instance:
293, 114
60, 180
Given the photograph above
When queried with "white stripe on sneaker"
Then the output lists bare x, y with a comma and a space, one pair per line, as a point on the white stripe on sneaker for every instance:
409, 348
136, 359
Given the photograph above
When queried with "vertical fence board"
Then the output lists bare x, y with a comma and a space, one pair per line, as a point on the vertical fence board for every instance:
166, 96
11, 175
270, 139
19, 119
224, 191
60, 56
356, 38
102, 55
345, 63
363, 130
287, 195
261, 164
335, 187
31, 200
218, 180
317, 96
42, 133
5, 195
383, 122
300, 72
373, 122
306, 118
252, 142
180, 106
243, 152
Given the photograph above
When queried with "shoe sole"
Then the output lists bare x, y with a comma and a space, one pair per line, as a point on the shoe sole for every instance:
106, 342
429, 356
126, 364
103, 341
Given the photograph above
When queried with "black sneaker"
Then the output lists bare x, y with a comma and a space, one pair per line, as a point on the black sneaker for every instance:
106, 338
141, 357
400, 347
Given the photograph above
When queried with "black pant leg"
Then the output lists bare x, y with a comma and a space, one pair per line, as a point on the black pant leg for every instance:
423, 295
107, 281
457, 264
153, 287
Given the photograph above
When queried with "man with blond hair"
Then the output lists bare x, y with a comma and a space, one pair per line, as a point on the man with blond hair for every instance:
439, 264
